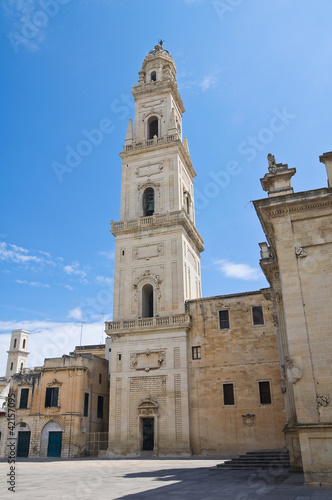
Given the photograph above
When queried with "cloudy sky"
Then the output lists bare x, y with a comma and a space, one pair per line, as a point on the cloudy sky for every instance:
255, 78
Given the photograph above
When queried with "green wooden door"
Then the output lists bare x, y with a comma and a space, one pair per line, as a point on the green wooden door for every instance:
54, 444
23, 443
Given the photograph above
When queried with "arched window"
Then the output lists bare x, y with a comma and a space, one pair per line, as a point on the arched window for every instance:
187, 205
152, 127
148, 202
147, 301
23, 343
153, 76
21, 366
15, 343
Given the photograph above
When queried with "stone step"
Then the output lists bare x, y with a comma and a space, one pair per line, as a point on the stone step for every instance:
261, 459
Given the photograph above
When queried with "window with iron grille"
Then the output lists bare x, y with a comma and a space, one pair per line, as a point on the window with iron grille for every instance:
228, 394
257, 315
265, 393
223, 320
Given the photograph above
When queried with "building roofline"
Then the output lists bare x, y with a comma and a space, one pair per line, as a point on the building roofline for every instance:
229, 296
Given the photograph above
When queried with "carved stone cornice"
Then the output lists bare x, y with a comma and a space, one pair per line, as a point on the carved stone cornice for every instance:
179, 217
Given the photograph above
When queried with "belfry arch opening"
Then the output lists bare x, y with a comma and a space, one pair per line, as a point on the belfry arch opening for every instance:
152, 127
148, 202
188, 205
147, 301
153, 76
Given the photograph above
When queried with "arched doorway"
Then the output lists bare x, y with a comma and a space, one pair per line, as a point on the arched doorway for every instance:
148, 425
51, 440
147, 301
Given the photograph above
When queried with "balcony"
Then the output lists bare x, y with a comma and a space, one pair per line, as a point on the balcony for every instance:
183, 320
157, 141
169, 218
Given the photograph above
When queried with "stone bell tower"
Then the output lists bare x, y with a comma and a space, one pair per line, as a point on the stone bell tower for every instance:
157, 268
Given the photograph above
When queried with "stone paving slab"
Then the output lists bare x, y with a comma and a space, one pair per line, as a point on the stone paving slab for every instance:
135, 479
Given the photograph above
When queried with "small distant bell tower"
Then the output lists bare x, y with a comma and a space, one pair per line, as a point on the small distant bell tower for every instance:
18, 352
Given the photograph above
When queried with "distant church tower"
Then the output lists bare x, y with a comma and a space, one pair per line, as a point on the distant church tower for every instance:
157, 268
18, 352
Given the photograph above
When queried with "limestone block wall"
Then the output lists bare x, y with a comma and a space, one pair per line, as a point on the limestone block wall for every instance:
149, 378
242, 355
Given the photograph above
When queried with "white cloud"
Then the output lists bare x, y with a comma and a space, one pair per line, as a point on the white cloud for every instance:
27, 22
75, 313
104, 280
208, 82
74, 270
33, 283
69, 287
19, 255
48, 339
238, 271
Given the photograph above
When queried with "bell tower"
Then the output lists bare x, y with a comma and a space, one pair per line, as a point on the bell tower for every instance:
18, 352
157, 268
157, 243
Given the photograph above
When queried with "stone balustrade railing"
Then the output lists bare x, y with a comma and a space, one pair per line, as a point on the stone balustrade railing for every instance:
157, 141
156, 321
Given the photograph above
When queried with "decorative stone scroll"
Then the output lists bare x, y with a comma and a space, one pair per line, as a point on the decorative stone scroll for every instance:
148, 407
249, 419
294, 373
300, 253
322, 401
283, 386
54, 383
148, 274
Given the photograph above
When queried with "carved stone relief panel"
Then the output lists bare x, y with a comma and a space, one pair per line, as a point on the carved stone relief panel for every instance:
149, 169
148, 360
148, 251
249, 419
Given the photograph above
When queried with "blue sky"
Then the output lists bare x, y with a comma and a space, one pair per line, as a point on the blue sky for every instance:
255, 78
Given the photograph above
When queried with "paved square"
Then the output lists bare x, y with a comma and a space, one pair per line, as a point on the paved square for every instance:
139, 479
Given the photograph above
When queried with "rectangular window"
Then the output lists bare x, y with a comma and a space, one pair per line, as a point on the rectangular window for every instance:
24, 398
257, 315
100, 407
86, 404
100, 378
196, 352
51, 397
228, 394
223, 320
265, 393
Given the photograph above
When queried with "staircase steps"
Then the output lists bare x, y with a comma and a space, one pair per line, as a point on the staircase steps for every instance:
264, 459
